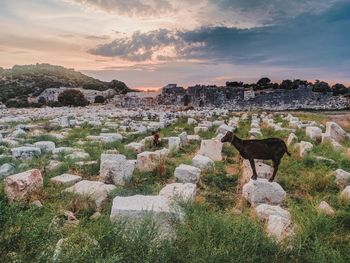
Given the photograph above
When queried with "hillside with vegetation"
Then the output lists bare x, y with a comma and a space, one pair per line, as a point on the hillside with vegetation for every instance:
21, 82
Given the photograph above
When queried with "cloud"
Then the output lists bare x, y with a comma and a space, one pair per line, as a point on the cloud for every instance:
129, 7
308, 39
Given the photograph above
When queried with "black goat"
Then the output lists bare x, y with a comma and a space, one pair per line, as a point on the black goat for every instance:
266, 149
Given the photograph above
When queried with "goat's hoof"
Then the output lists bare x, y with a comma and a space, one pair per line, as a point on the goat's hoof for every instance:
254, 177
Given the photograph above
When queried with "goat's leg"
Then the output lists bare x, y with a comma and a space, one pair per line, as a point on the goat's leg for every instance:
252, 164
276, 163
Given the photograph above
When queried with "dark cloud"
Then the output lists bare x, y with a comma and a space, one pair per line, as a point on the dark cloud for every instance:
308, 39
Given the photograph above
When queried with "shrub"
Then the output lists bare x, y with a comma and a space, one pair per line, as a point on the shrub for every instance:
72, 97
99, 99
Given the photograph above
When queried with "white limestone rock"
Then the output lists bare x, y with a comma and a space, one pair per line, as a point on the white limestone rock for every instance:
6, 170
45, 146
203, 162
342, 178
325, 208
211, 149
279, 227
116, 169
65, 179
224, 128
261, 191
174, 143
304, 148
194, 137
346, 193
19, 187
96, 191
78, 156
191, 121
335, 132
199, 129
136, 207
183, 139
179, 191
263, 170
136, 147
25, 152
315, 133
187, 174
147, 161
264, 211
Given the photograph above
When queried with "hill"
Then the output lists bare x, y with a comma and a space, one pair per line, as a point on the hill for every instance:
21, 82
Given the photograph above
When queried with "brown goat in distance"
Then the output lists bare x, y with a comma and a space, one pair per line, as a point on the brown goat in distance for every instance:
265, 149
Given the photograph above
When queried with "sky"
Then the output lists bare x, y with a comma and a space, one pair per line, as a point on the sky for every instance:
150, 43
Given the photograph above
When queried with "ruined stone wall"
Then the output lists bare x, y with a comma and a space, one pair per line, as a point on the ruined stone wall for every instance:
235, 99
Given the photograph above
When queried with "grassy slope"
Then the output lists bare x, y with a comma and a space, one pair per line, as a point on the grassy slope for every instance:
211, 231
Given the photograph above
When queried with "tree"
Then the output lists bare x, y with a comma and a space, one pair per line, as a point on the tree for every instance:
286, 84
320, 86
119, 86
263, 82
234, 84
339, 89
72, 97
99, 99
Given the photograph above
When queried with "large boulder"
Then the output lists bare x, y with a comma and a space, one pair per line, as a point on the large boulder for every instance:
211, 149
116, 169
203, 162
147, 161
96, 191
25, 152
179, 191
315, 133
20, 186
187, 174
65, 179
261, 191
342, 178
45, 146
335, 132
199, 129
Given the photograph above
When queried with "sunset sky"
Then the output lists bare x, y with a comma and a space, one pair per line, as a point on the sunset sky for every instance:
149, 43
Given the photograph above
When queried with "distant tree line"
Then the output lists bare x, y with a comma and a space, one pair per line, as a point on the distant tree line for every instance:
317, 86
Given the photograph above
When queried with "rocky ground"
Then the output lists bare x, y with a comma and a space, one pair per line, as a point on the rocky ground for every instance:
87, 185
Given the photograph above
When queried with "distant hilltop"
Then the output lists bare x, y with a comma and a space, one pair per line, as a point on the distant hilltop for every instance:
20, 84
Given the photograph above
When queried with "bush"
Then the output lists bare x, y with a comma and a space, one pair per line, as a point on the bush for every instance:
72, 97
99, 99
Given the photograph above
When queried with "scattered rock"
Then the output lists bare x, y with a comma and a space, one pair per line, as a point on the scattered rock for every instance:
45, 146
279, 227
342, 178
211, 149
19, 187
147, 161
304, 148
261, 191
203, 162
116, 169
179, 191
6, 170
346, 193
174, 143
187, 174
315, 133
135, 147
65, 179
264, 211
325, 208
25, 152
